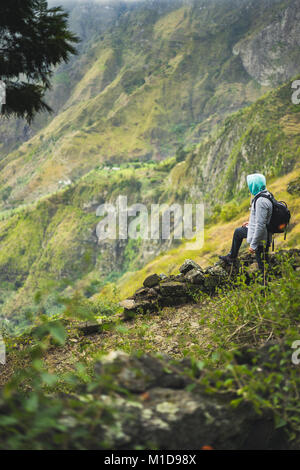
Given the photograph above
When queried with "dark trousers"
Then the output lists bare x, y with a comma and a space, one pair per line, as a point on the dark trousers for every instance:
261, 252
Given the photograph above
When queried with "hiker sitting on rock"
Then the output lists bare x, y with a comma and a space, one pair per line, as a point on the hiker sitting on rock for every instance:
255, 230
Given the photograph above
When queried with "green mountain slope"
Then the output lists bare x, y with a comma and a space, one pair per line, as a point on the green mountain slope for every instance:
156, 78
87, 21
51, 247
264, 136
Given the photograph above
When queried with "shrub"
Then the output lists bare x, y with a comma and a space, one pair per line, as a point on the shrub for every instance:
229, 211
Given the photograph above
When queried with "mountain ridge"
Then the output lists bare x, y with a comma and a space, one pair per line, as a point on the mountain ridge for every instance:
154, 81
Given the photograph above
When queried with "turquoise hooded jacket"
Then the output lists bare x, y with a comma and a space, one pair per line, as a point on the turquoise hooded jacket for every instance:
260, 214
256, 183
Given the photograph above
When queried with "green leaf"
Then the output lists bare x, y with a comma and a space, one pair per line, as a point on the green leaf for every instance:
279, 422
200, 365
49, 379
32, 403
8, 420
235, 403
58, 333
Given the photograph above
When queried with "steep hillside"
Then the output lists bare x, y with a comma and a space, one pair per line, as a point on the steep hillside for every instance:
47, 246
153, 76
265, 136
87, 21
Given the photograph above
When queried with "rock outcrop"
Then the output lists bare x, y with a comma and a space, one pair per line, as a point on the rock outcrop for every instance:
163, 291
294, 187
164, 406
269, 55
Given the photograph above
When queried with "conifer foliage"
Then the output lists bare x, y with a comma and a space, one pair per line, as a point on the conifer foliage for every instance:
33, 40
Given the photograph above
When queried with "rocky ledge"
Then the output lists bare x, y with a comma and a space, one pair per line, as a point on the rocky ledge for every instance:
166, 291
159, 403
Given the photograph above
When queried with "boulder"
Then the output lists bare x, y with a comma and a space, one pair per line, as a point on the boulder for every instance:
152, 280
294, 186
172, 301
142, 291
128, 304
141, 373
145, 293
154, 413
195, 276
215, 276
188, 265
173, 288
177, 277
89, 328
133, 306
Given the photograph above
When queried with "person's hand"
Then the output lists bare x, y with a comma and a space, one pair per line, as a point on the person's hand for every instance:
245, 223
251, 250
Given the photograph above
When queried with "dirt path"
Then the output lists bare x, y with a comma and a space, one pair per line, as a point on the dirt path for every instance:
172, 331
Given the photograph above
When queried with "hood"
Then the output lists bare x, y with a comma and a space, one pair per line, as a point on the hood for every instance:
256, 183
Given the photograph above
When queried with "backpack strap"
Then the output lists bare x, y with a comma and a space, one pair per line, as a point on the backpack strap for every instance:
267, 196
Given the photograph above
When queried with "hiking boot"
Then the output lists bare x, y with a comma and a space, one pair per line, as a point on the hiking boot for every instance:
227, 259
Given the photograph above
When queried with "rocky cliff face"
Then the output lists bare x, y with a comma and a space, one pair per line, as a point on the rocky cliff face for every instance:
271, 54
216, 169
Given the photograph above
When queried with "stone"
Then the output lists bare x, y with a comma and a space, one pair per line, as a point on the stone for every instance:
140, 373
294, 186
142, 292
172, 288
152, 293
152, 280
217, 271
89, 328
145, 293
172, 301
163, 276
128, 304
178, 277
153, 412
215, 276
195, 276
188, 265
132, 306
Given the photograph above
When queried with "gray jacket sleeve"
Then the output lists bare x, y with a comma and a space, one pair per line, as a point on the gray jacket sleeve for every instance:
263, 215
